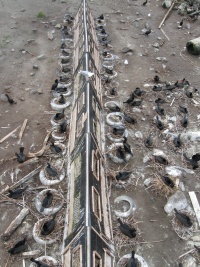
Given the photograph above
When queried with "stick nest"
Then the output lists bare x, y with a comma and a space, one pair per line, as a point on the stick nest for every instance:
183, 232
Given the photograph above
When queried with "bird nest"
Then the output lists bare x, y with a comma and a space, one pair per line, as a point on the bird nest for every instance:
56, 204
123, 261
58, 136
47, 239
183, 232
47, 260
57, 197
51, 177
122, 240
196, 255
160, 188
56, 155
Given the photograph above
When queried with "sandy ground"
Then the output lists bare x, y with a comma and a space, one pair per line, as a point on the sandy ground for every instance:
30, 88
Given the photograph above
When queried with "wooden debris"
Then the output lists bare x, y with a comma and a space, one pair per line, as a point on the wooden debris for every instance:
195, 205
23, 180
122, 29
50, 112
172, 102
192, 250
30, 53
8, 135
165, 34
194, 13
32, 254
30, 161
151, 242
22, 130
14, 224
41, 151
166, 15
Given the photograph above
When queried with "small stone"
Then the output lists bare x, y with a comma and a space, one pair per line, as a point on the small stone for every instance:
159, 38
50, 36
30, 41
40, 91
177, 200
53, 22
63, 1
35, 67
138, 134
156, 45
41, 57
127, 49
23, 10
33, 92
21, 98
125, 62
32, 74
7, 41
122, 21
3, 98
164, 59
34, 30
58, 26
13, 50
167, 3
148, 181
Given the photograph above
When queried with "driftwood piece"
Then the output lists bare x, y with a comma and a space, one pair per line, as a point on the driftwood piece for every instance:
22, 130
41, 151
195, 205
32, 254
166, 15
8, 135
15, 223
23, 180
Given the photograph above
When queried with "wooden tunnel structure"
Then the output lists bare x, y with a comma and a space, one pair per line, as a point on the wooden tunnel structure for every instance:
88, 239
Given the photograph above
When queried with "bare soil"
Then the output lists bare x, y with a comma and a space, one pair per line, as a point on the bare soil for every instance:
125, 21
